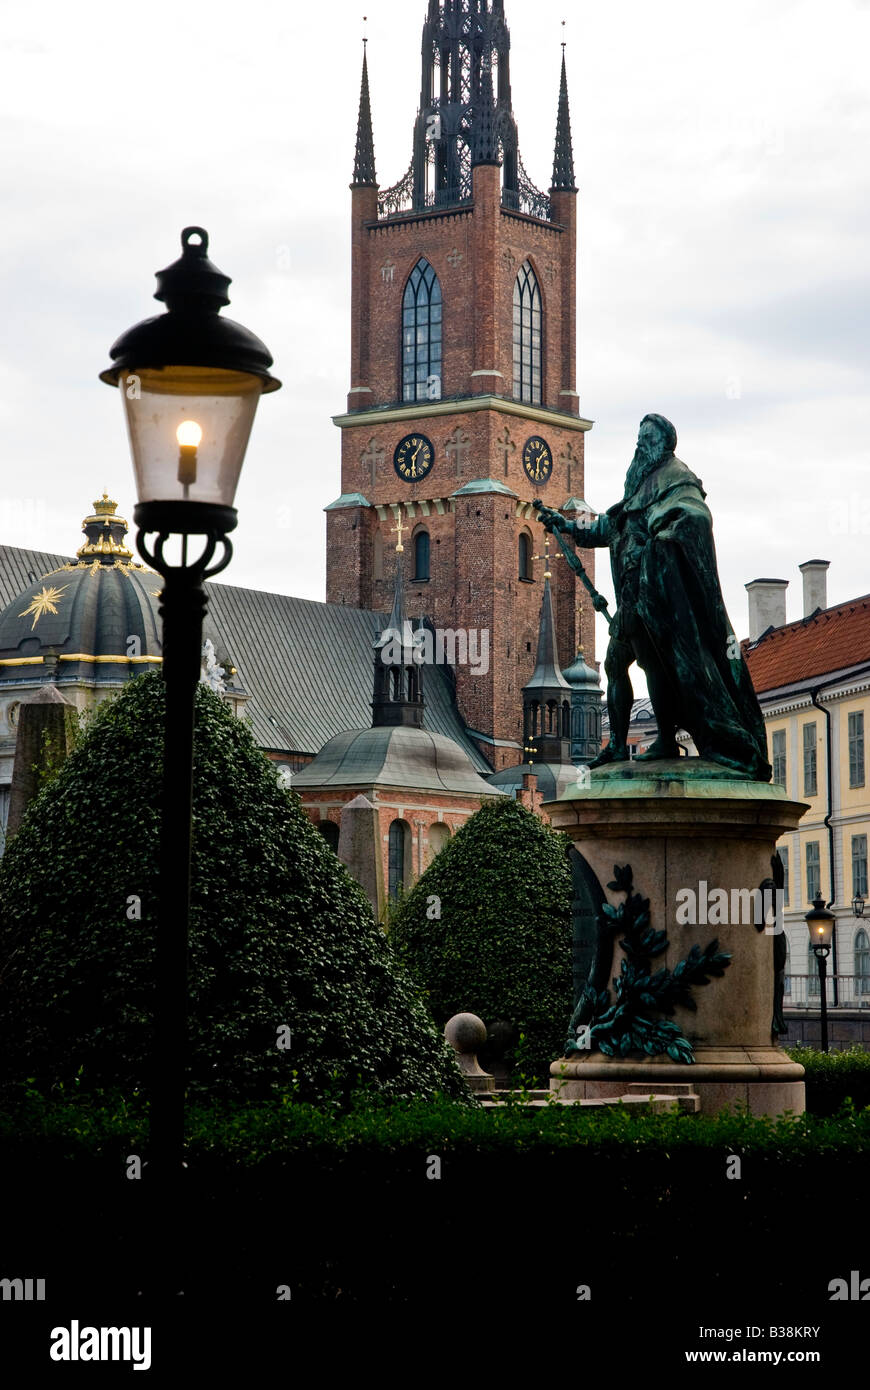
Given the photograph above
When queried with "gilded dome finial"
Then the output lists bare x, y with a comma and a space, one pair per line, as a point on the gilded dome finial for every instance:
105, 534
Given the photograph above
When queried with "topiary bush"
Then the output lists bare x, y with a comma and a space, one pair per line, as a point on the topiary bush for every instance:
487, 929
280, 936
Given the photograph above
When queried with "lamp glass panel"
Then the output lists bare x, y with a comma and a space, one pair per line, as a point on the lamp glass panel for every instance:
158, 402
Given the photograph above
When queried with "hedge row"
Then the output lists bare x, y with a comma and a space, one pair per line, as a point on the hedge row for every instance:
521, 1208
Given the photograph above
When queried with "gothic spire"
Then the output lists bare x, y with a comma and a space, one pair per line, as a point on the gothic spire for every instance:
547, 673
398, 689
364, 175
547, 696
563, 163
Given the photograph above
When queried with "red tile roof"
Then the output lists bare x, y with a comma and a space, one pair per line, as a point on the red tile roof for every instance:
831, 640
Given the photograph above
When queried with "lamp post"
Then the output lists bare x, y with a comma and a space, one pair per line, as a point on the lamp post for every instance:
858, 906
190, 383
821, 924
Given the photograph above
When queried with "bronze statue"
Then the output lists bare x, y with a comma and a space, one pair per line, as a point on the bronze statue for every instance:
670, 615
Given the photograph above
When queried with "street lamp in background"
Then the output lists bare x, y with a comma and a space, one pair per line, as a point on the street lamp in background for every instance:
190, 383
858, 906
821, 924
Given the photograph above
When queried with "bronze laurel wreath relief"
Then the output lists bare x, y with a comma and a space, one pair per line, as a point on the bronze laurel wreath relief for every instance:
626, 1025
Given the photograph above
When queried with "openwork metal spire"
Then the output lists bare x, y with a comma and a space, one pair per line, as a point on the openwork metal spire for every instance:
563, 163
364, 175
484, 130
464, 43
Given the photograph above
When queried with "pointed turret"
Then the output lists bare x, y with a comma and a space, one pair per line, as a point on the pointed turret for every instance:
484, 134
364, 175
563, 162
398, 688
547, 696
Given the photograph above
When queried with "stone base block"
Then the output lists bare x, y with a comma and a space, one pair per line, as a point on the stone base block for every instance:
763, 1080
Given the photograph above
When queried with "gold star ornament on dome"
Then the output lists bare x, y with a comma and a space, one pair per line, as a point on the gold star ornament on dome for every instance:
43, 603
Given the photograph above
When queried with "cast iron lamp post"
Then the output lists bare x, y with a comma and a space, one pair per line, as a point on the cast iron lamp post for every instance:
821, 924
858, 906
190, 383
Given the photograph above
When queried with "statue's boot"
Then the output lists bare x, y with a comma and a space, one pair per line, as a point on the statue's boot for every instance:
662, 748
610, 755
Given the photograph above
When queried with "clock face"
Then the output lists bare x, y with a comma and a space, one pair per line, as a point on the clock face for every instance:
414, 457
537, 459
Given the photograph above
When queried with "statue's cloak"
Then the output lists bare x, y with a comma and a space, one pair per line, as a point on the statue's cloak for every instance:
679, 602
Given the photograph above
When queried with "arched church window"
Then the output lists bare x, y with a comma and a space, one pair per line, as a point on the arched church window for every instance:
439, 834
399, 856
525, 556
329, 831
422, 552
528, 333
421, 335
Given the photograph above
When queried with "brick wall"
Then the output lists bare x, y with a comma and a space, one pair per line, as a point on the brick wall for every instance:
474, 582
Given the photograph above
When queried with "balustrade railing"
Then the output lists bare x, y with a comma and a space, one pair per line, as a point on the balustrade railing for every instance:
804, 992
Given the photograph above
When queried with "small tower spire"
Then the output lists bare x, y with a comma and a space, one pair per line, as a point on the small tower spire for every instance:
364, 175
563, 163
547, 696
398, 688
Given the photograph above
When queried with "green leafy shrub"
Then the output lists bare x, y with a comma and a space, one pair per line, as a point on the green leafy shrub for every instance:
834, 1077
337, 1206
501, 946
280, 934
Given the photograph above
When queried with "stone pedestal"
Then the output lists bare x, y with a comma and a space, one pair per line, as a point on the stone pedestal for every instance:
359, 849
681, 824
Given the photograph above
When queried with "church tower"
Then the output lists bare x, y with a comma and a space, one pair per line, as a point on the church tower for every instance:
463, 405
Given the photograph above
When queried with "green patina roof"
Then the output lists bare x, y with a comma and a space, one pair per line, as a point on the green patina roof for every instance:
482, 485
555, 780
394, 757
348, 499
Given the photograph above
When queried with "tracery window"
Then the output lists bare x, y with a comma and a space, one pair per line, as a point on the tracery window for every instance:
421, 335
528, 335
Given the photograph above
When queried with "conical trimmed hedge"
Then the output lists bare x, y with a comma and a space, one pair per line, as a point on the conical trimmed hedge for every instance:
281, 936
487, 928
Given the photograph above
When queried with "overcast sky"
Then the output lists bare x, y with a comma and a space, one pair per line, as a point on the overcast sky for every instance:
723, 161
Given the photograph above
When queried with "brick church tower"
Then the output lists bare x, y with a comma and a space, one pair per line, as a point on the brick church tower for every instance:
463, 405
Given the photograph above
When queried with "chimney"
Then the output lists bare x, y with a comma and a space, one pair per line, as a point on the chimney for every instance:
815, 573
766, 605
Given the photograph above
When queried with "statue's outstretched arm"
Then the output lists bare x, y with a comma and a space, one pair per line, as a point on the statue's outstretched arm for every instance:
595, 534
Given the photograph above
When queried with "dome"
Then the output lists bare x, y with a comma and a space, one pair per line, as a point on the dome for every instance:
581, 676
554, 779
94, 620
394, 756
